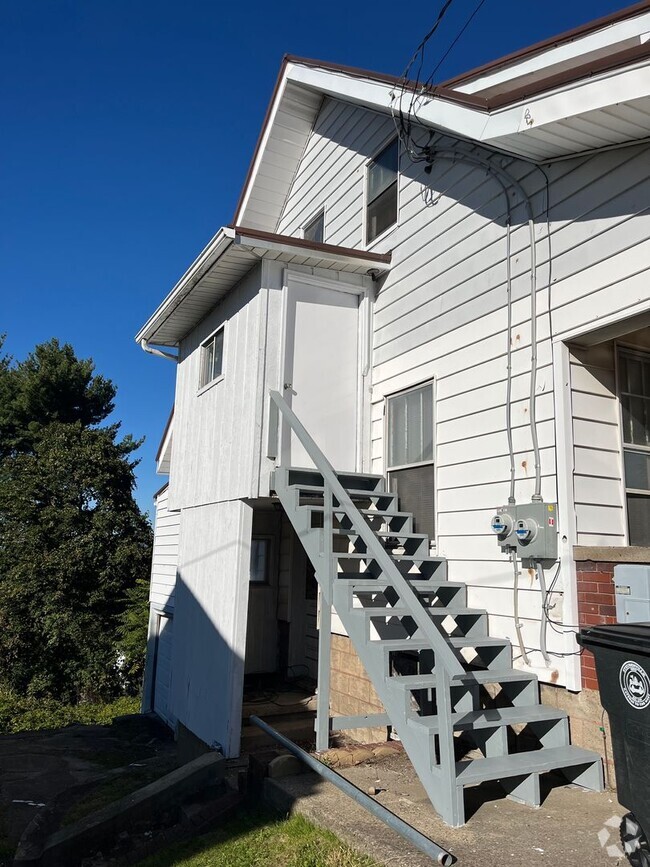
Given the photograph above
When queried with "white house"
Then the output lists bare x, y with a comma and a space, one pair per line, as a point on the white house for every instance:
448, 289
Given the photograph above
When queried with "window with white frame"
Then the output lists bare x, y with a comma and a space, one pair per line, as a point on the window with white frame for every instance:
381, 191
212, 358
410, 454
634, 394
314, 230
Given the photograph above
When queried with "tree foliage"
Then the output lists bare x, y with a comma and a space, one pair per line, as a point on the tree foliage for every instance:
73, 542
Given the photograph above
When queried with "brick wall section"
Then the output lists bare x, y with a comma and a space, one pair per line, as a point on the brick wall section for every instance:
596, 606
351, 692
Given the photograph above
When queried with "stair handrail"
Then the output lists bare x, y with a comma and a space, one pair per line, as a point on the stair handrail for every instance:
444, 655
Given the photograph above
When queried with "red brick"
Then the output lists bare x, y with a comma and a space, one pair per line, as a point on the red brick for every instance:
589, 682
608, 610
588, 587
600, 598
590, 619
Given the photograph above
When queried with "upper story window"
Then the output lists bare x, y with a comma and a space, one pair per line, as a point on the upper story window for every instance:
314, 230
212, 358
634, 393
381, 191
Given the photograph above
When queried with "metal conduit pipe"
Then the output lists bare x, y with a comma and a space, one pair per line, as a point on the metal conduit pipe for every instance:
520, 638
542, 629
433, 850
511, 451
506, 180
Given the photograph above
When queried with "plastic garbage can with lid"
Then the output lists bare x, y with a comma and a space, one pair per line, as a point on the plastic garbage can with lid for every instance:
622, 654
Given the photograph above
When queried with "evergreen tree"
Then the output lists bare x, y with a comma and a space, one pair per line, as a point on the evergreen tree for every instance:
73, 542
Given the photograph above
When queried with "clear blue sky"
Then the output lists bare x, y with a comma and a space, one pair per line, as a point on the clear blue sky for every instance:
127, 128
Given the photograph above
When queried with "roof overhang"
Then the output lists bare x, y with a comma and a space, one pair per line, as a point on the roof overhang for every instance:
229, 256
580, 92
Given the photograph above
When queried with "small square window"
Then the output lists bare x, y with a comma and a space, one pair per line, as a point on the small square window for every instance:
381, 191
314, 230
212, 358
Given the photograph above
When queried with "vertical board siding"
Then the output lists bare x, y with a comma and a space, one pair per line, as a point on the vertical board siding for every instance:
440, 314
210, 621
165, 553
214, 428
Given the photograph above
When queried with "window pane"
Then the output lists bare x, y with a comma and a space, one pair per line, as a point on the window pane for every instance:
637, 470
259, 561
410, 427
218, 354
638, 514
382, 213
382, 171
208, 357
315, 229
415, 490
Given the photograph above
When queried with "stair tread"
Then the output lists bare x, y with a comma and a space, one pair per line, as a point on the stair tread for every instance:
395, 534
428, 681
380, 584
416, 558
353, 492
405, 611
478, 719
457, 641
377, 512
534, 761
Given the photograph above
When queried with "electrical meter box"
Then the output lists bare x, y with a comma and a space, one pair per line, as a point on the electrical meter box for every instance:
529, 528
632, 591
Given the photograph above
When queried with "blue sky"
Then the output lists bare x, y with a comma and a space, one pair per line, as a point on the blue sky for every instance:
127, 128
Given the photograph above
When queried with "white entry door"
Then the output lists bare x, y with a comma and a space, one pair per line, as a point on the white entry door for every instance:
321, 372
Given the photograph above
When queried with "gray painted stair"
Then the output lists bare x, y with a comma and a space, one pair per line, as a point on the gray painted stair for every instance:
446, 685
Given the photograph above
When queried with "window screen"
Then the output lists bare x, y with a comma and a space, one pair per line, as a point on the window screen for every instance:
634, 392
381, 191
410, 461
410, 427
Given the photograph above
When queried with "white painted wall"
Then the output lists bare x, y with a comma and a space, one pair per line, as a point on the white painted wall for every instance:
210, 621
441, 314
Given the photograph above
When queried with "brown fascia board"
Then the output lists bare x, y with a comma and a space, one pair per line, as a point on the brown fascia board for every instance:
612, 61
312, 246
553, 42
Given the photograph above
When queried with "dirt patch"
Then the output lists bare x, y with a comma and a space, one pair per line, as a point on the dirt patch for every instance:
74, 770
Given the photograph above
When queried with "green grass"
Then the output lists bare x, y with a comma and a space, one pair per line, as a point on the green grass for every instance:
20, 714
260, 840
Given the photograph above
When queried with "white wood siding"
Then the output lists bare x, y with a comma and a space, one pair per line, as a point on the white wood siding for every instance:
164, 561
441, 314
219, 435
210, 622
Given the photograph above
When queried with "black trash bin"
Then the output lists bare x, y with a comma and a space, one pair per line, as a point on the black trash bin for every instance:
622, 653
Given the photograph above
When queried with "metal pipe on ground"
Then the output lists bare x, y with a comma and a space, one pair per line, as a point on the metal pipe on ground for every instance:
440, 855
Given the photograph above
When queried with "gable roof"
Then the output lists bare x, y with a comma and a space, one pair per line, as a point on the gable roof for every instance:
580, 91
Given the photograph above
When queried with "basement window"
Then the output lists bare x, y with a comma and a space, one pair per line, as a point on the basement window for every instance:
410, 458
212, 358
634, 394
260, 559
381, 191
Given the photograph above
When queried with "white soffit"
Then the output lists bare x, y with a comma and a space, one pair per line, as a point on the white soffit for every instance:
231, 254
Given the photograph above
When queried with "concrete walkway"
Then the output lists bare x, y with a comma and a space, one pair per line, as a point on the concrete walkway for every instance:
564, 832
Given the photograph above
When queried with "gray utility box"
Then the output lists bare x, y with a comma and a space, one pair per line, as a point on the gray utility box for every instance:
529, 528
632, 589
